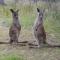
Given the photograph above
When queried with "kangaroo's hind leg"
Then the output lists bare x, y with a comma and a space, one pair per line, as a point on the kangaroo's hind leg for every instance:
44, 39
11, 40
40, 42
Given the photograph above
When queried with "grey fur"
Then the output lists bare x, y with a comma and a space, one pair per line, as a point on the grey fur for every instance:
15, 28
38, 28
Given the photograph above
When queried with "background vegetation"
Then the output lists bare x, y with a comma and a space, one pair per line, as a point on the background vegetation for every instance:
27, 14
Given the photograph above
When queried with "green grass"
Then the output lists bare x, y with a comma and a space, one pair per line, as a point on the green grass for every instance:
11, 57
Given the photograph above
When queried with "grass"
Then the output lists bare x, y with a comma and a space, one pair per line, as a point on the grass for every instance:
8, 52
11, 57
52, 23
27, 16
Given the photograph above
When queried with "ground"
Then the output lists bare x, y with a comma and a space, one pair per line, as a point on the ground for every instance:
45, 53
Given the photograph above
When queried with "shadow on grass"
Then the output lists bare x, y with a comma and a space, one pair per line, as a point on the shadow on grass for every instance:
31, 45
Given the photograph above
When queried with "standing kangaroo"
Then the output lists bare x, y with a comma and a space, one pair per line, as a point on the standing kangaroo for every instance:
38, 27
15, 28
39, 31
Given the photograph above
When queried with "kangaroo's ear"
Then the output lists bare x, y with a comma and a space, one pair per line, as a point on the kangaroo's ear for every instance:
11, 10
38, 10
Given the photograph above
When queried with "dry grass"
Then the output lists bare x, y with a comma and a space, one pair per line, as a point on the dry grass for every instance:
24, 51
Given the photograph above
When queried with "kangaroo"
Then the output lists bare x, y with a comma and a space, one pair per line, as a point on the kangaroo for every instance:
15, 28
38, 27
39, 31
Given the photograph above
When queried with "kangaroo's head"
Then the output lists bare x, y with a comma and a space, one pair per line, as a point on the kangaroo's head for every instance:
14, 13
40, 13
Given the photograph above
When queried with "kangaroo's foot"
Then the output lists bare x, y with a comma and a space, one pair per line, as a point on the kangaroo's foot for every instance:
36, 46
40, 45
44, 42
23, 42
11, 41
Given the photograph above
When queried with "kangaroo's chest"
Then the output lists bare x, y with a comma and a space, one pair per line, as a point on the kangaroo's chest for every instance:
15, 27
37, 24
16, 23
